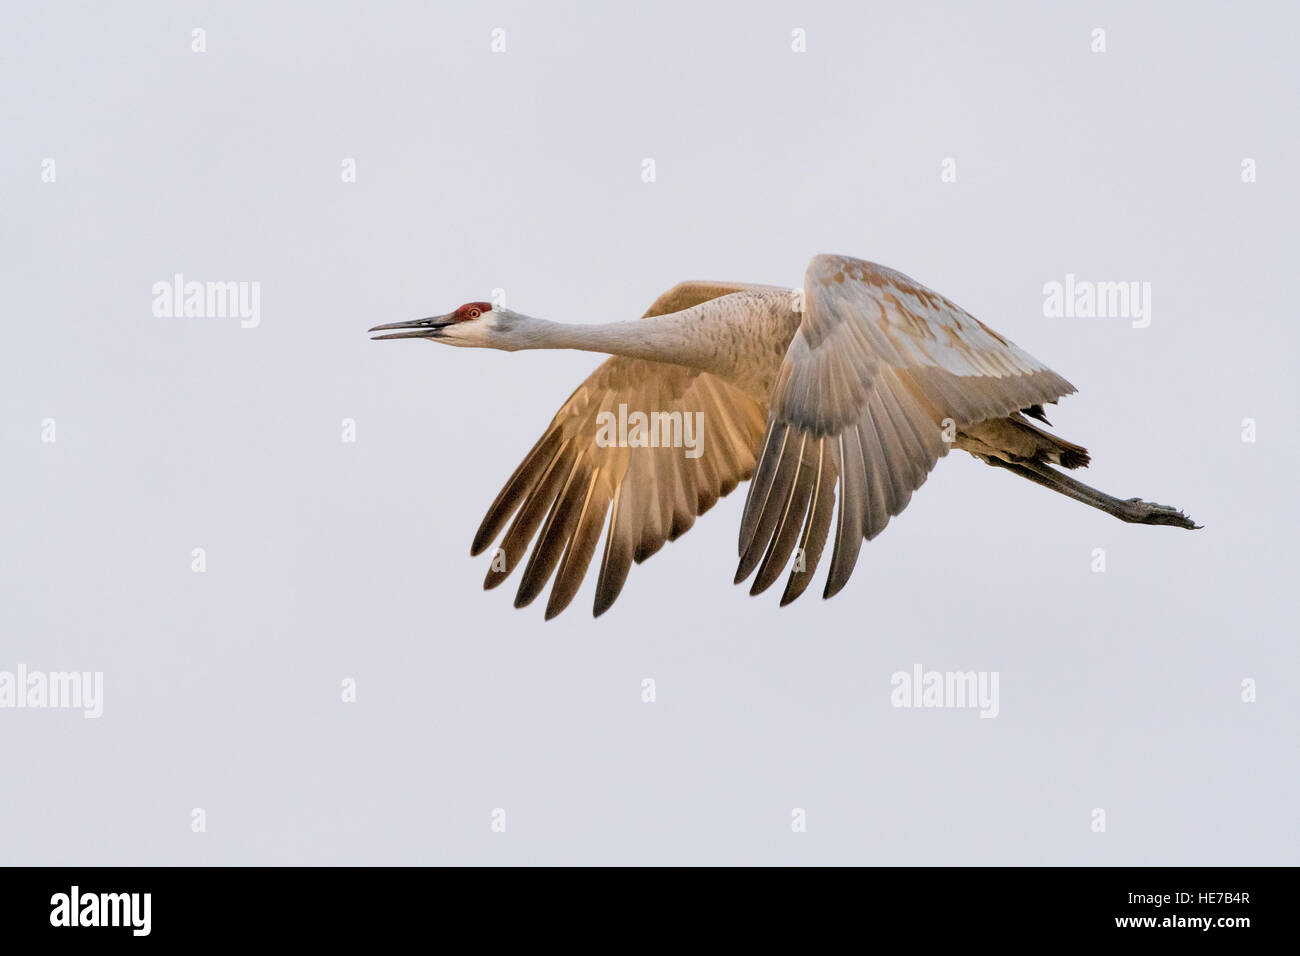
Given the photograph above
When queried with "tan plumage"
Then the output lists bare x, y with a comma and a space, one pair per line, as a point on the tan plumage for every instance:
838, 402
652, 495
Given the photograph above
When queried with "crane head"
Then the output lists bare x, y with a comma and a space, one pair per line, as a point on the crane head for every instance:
476, 324
471, 324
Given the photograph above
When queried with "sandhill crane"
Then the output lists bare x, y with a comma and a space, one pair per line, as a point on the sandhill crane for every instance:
849, 389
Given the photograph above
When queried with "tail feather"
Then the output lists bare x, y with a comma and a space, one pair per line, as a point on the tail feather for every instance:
1036, 411
1055, 449
1015, 439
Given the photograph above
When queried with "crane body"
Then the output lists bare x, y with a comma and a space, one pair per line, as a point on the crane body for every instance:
834, 401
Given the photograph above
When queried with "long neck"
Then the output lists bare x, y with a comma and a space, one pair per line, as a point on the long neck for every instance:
724, 335
656, 339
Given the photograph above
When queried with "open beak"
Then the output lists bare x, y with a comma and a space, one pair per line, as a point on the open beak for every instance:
417, 329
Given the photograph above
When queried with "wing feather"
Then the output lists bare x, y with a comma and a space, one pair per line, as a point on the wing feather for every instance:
569, 487
817, 525
879, 367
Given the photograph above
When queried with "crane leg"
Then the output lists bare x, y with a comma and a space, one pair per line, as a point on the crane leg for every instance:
1133, 510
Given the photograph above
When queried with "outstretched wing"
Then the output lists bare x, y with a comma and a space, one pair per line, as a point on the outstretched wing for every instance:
569, 482
877, 366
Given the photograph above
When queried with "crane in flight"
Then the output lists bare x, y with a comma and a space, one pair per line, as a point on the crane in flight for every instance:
846, 391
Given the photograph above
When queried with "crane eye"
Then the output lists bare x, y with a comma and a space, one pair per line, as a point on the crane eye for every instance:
474, 313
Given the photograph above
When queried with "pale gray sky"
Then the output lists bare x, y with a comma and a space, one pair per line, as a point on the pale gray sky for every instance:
522, 170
